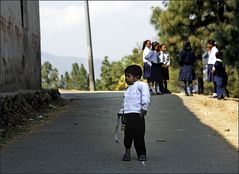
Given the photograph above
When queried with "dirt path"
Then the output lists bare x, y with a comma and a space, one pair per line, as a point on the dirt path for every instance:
220, 115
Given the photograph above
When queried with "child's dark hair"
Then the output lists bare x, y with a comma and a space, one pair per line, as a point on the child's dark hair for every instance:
154, 45
144, 44
212, 42
219, 54
161, 45
135, 70
187, 45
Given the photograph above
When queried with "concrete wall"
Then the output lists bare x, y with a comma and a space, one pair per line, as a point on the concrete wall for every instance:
20, 59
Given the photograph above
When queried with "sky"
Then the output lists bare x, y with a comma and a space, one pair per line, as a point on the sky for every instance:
117, 27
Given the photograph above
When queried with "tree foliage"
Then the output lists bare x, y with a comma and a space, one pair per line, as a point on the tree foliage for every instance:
54, 79
77, 79
65, 81
49, 75
112, 73
198, 21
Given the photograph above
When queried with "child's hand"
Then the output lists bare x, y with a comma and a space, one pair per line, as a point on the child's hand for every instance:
120, 114
143, 113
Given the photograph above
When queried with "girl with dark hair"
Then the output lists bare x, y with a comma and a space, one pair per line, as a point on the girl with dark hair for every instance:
156, 70
211, 61
165, 60
186, 60
147, 64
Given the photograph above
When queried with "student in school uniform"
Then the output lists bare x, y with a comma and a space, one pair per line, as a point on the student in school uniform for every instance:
212, 49
165, 59
147, 64
134, 109
156, 76
186, 60
220, 76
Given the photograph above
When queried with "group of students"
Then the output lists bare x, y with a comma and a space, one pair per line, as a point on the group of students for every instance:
156, 66
215, 69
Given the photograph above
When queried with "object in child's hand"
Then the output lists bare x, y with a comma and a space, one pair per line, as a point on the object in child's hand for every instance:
143, 113
122, 127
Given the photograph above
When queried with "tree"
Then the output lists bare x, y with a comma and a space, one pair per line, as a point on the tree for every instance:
79, 77
50, 77
75, 75
112, 74
106, 78
65, 81
62, 82
117, 71
83, 78
134, 58
54, 79
198, 21
46, 68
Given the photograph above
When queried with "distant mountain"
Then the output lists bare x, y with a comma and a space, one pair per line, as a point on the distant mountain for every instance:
64, 63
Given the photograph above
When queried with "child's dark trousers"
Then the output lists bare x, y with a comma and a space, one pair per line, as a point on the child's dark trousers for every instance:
135, 131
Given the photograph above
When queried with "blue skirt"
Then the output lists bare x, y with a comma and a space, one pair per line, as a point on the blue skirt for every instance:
156, 74
220, 86
165, 73
147, 70
186, 73
209, 73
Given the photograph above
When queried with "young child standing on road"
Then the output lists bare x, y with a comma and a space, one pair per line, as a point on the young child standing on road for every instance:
134, 108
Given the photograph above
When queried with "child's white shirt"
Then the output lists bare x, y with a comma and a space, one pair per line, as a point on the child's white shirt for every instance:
136, 97
212, 55
164, 58
147, 52
153, 57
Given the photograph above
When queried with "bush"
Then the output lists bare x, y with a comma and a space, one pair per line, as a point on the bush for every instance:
174, 85
232, 83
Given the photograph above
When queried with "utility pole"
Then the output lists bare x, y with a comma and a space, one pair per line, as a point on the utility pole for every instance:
89, 47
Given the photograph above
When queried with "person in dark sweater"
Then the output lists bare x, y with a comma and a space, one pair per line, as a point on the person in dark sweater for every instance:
186, 60
220, 76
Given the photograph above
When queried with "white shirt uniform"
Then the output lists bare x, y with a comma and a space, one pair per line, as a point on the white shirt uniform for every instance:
164, 58
212, 55
145, 53
153, 57
136, 97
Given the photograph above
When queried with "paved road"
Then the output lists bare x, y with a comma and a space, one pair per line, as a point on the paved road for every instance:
175, 140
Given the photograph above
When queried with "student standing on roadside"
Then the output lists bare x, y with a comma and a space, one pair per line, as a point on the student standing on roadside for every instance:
164, 56
211, 61
147, 64
186, 60
156, 76
220, 76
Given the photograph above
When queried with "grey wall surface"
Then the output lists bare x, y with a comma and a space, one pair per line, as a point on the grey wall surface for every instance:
20, 61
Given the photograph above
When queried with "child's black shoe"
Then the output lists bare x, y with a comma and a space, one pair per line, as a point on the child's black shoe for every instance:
142, 158
126, 157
